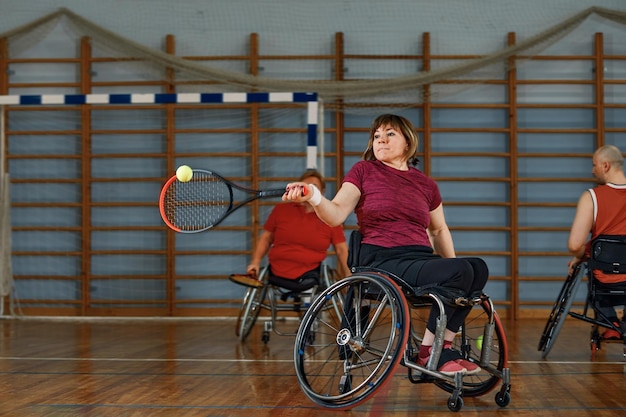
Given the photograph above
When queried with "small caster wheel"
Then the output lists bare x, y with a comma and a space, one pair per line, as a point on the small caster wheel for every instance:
455, 405
265, 337
503, 398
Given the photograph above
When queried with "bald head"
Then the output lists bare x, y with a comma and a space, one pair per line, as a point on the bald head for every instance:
608, 165
610, 154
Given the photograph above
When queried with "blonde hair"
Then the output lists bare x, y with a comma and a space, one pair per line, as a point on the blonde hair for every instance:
400, 124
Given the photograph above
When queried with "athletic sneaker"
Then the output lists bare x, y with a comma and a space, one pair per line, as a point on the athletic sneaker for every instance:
448, 362
610, 334
470, 367
450, 368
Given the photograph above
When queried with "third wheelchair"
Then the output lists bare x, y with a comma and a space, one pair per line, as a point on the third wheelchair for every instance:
608, 253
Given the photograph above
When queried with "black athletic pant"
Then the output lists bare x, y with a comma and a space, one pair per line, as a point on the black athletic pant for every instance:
418, 266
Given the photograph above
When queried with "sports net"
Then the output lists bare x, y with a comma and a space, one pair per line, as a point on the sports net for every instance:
209, 54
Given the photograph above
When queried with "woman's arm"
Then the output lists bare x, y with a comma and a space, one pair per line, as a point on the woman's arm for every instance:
440, 235
334, 212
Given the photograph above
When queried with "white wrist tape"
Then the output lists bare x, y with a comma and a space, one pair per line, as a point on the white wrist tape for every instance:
316, 198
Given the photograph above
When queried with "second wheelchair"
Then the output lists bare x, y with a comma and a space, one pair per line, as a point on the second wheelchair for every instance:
282, 299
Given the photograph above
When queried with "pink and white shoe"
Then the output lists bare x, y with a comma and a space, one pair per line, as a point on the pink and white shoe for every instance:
470, 367
449, 364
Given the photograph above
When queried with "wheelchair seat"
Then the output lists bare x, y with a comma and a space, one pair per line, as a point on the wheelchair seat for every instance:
304, 283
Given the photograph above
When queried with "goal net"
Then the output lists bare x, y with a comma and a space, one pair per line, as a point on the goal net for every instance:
221, 52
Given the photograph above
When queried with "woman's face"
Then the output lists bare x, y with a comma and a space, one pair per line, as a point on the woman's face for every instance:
389, 145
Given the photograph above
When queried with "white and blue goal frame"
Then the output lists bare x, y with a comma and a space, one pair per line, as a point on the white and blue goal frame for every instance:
314, 131
314, 108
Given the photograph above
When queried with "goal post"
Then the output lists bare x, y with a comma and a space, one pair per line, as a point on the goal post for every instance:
6, 275
126, 269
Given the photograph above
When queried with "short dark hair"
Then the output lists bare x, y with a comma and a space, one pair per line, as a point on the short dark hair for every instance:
313, 173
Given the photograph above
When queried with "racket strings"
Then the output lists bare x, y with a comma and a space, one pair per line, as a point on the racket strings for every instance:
198, 203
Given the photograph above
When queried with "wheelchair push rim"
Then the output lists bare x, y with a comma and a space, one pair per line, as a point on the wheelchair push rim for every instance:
342, 361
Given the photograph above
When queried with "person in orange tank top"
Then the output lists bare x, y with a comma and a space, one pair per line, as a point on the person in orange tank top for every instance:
601, 211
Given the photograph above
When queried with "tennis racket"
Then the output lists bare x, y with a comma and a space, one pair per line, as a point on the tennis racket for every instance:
204, 201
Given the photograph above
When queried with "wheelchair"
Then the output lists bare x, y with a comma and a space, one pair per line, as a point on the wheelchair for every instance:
377, 326
608, 253
280, 297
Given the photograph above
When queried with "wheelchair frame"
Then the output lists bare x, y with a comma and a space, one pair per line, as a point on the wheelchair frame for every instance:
562, 306
269, 297
560, 310
343, 357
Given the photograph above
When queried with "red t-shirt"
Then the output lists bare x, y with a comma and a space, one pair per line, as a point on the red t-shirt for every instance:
609, 218
394, 209
301, 240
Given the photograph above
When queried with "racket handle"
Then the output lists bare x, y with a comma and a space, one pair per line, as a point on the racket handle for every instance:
305, 191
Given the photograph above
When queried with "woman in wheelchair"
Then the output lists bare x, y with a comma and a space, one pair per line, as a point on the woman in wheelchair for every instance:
601, 211
400, 216
296, 242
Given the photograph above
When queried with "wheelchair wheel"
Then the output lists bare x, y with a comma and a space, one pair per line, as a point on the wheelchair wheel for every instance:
469, 342
329, 277
250, 309
355, 353
559, 311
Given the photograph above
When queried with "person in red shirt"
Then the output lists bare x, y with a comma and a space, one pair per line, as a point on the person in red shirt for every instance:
296, 241
400, 215
601, 211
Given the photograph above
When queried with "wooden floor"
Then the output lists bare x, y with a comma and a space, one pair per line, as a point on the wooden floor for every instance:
199, 368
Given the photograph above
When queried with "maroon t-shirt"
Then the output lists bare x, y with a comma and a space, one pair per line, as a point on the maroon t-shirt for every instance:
394, 209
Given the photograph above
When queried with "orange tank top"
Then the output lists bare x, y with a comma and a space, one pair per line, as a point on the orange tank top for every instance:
609, 218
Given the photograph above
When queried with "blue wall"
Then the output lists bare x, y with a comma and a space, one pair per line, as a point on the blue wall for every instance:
306, 27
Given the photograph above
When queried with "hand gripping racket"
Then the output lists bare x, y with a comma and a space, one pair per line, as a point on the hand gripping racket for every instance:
204, 201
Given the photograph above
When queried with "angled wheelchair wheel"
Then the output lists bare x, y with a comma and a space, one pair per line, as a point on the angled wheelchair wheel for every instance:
250, 309
354, 353
559, 311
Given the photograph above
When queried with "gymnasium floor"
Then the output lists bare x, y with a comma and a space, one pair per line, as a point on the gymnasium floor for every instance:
197, 367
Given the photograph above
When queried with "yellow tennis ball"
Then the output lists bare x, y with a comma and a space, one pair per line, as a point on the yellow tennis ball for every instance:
479, 342
184, 173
